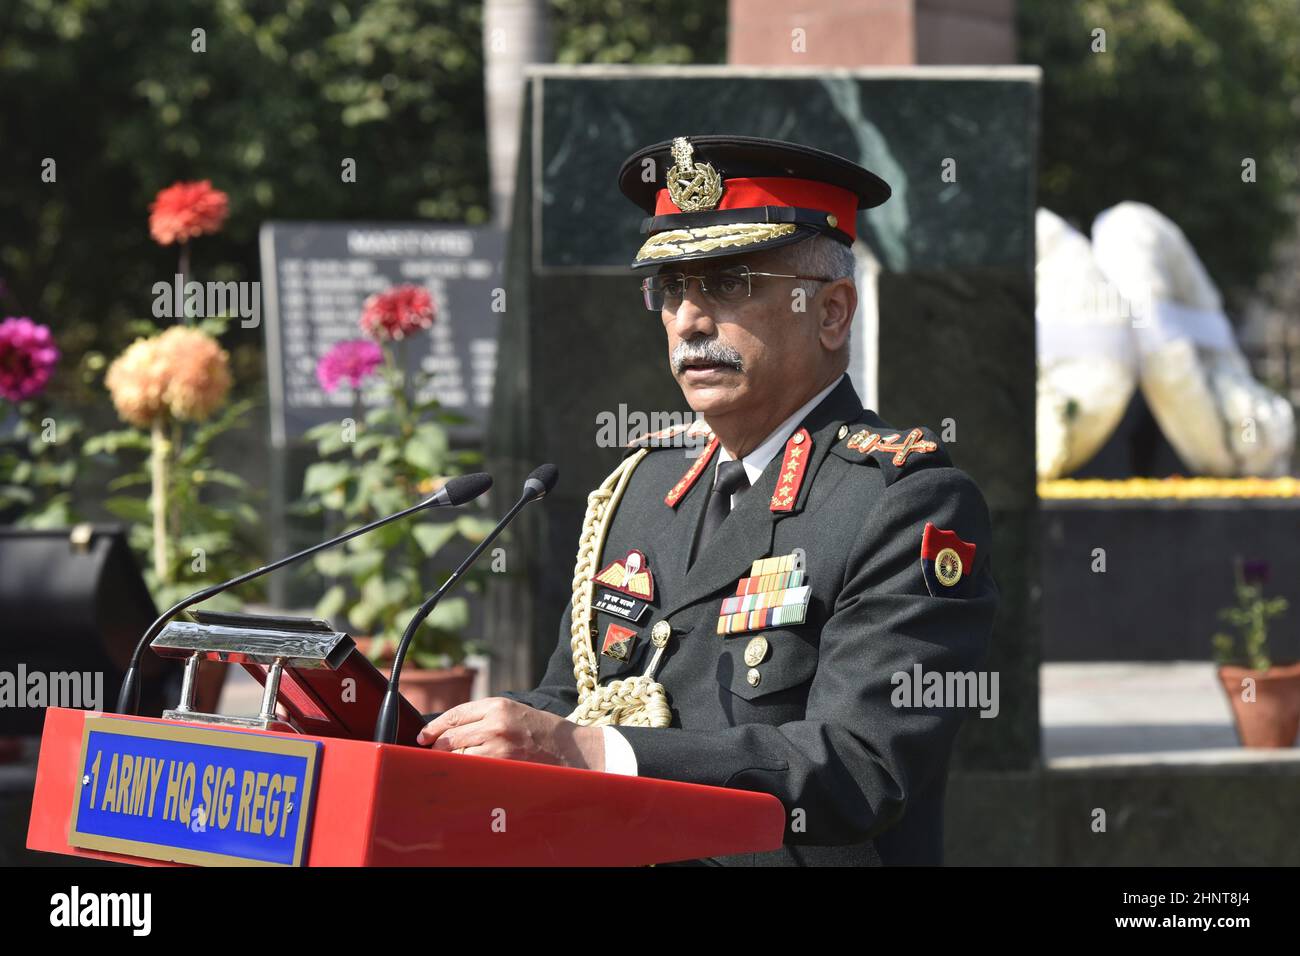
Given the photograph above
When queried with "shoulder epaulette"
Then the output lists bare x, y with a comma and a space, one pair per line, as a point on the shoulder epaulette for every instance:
897, 452
685, 435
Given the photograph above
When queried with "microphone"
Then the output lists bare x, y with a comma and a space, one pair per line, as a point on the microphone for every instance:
454, 493
538, 485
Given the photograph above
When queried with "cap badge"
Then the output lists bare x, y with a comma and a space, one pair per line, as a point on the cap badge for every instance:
692, 186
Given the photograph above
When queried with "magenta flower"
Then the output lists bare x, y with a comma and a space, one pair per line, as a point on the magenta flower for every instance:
27, 357
397, 312
1254, 571
354, 360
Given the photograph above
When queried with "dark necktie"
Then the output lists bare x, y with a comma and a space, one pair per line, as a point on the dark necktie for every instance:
731, 480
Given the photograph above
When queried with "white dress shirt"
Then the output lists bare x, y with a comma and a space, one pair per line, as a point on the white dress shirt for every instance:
619, 756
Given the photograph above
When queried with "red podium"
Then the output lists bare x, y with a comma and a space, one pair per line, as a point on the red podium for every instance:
391, 805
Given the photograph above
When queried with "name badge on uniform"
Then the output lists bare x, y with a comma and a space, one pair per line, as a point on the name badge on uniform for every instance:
620, 604
774, 595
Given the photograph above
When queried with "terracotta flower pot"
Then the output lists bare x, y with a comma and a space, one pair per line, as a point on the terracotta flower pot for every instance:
1273, 717
430, 690
433, 691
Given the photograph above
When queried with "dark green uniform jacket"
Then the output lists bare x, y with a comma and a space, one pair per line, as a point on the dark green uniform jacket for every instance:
862, 780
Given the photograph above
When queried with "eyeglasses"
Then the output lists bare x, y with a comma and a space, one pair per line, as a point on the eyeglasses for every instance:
726, 286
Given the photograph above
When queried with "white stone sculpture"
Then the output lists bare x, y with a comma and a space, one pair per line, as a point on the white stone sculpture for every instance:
1087, 363
1196, 381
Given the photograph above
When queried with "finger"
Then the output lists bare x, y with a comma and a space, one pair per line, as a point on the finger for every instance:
460, 738
458, 716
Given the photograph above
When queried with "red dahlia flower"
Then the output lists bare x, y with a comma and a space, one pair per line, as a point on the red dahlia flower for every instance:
397, 312
183, 211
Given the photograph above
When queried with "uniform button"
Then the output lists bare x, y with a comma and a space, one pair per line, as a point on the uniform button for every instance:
844, 430
660, 633
753, 677
798, 438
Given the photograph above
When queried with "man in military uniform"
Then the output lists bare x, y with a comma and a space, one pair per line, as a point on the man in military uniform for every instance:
752, 591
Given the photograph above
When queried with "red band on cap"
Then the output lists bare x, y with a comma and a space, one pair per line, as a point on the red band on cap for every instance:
745, 193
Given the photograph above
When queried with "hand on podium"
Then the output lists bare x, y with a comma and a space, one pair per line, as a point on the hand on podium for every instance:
504, 728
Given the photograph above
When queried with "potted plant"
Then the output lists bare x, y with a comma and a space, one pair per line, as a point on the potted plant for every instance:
380, 460
1265, 697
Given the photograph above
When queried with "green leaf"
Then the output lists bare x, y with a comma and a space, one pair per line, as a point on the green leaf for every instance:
57, 513
129, 480
130, 509
112, 442
16, 494
365, 563
428, 661
384, 415
368, 443
450, 615
330, 563
331, 602
325, 476
214, 325
432, 537
421, 456
332, 441
426, 454
474, 529
218, 476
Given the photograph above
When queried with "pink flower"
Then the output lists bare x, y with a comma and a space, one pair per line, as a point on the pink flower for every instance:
27, 357
183, 211
354, 360
397, 312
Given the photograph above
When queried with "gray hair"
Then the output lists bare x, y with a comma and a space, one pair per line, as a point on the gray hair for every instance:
821, 256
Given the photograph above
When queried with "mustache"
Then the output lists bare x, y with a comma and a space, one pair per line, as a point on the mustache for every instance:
712, 351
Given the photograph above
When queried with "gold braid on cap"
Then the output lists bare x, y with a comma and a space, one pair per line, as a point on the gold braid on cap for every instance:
632, 701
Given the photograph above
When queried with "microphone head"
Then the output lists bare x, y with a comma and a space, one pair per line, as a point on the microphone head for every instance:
540, 483
462, 489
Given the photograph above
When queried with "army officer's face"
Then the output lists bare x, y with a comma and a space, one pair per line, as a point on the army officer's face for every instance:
743, 356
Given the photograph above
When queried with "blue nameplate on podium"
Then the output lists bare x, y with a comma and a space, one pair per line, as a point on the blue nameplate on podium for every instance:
194, 795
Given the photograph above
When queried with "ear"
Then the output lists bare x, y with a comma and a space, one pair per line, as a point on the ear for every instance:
839, 300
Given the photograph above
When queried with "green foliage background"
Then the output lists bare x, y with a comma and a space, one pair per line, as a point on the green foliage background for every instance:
639, 31
286, 90
1185, 90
